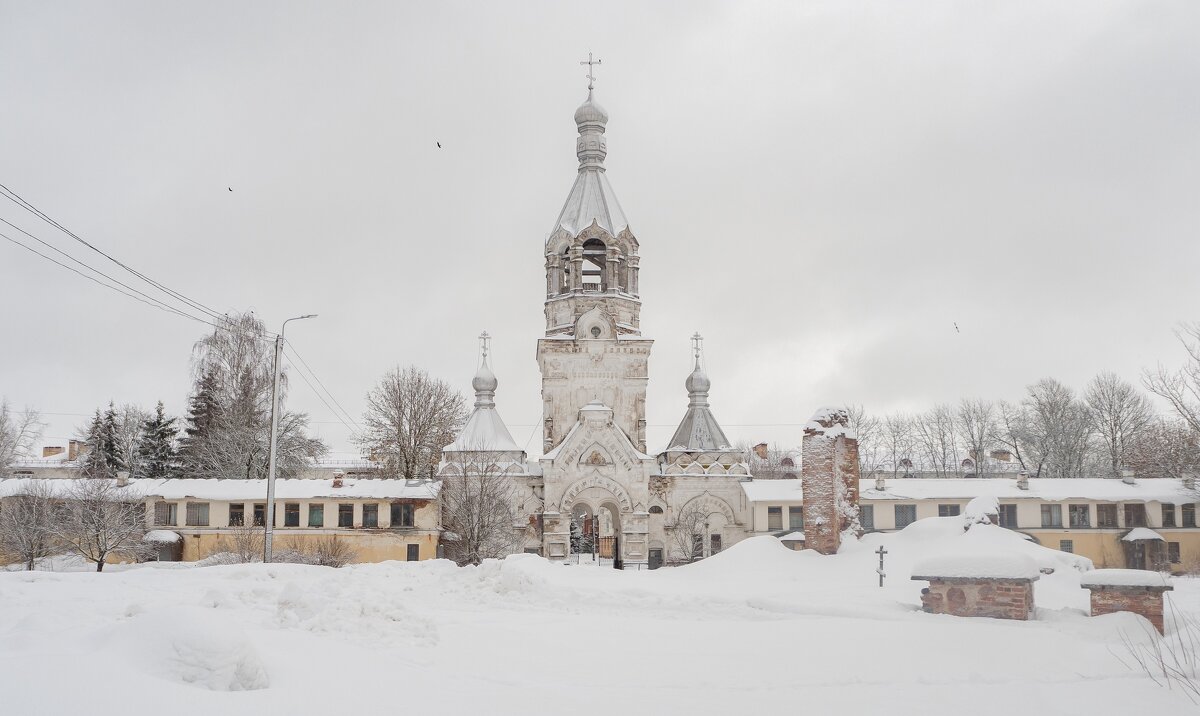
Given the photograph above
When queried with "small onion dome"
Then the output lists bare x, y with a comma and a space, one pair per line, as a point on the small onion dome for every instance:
697, 382
484, 380
590, 112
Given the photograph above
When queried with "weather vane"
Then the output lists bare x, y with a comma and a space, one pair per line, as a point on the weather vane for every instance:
590, 62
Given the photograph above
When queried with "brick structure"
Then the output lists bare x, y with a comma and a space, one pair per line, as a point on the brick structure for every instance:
1127, 590
829, 480
999, 598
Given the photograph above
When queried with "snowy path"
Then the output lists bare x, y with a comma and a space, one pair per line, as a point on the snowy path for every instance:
758, 628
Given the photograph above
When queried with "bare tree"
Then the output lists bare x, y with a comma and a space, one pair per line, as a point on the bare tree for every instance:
935, 436
99, 518
977, 427
1181, 388
1012, 420
871, 444
687, 534
1059, 429
410, 417
18, 432
897, 440
26, 523
478, 507
1165, 448
1118, 414
229, 423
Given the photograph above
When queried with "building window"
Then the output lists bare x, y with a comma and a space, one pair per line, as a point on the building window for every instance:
714, 544
402, 514
346, 515
866, 517
370, 515
1189, 514
1067, 545
1079, 516
237, 514
774, 518
1173, 552
1135, 515
948, 510
316, 515
656, 510
1168, 515
905, 515
1106, 515
291, 514
197, 514
1008, 516
165, 513
414, 553
260, 514
1051, 515
795, 518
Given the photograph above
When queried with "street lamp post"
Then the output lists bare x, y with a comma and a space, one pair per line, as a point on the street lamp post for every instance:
269, 528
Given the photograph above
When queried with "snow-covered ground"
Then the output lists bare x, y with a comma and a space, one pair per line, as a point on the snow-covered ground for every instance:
756, 629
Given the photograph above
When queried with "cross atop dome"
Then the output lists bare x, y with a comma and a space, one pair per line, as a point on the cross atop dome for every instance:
697, 346
485, 341
591, 77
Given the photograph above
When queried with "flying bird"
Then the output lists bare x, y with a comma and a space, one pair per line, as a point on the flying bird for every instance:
229, 188
956, 327
439, 144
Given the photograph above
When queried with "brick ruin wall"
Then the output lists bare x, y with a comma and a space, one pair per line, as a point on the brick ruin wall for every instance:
996, 598
1147, 601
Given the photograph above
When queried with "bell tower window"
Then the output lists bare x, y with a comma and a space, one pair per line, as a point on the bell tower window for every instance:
594, 257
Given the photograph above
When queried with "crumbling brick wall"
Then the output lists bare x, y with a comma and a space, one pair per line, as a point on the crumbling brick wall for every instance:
1147, 601
979, 597
829, 473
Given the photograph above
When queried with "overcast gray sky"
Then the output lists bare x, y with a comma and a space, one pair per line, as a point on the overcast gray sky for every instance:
821, 189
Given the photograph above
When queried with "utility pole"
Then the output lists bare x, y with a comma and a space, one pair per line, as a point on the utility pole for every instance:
269, 526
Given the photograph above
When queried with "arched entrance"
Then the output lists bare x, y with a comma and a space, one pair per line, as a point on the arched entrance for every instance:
596, 533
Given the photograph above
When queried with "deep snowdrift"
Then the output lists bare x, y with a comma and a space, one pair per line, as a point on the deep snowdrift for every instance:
756, 628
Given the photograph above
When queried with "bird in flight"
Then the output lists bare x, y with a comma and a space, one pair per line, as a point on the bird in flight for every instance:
439, 145
956, 327
229, 188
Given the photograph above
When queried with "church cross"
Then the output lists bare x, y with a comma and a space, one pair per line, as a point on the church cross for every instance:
484, 342
590, 62
697, 339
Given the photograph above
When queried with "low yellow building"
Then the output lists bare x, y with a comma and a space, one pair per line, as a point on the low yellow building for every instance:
1142, 523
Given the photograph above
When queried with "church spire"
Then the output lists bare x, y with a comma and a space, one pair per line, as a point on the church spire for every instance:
699, 430
484, 383
484, 431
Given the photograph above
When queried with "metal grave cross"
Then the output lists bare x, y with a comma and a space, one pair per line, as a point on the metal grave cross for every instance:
881, 551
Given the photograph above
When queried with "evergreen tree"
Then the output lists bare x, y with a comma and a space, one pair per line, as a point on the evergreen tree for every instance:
102, 458
157, 447
204, 411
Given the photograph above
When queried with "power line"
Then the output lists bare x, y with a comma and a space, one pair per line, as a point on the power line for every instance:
291, 346
20, 201
319, 397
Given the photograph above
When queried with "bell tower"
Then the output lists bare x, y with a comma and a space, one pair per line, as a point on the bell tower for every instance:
593, 349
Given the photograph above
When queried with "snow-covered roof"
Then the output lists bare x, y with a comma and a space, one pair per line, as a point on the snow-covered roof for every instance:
166, 536
1122, 578
485, 430
976, 564
285, 489
1140, 533
699, 430
1046, 489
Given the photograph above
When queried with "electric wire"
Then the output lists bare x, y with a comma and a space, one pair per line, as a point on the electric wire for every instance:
288, 345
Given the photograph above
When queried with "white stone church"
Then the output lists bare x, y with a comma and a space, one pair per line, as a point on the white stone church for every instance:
596, 488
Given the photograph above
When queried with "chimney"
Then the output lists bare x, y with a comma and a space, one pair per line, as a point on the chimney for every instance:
761, 451
1127, 476
75, 448
337, 478
880, 485
52, 450
1022, 480
122, 478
